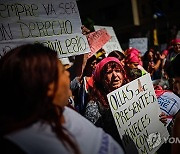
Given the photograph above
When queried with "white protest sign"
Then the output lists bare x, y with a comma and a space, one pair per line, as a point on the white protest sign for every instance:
139, 43
66, 45
21, 19
56, 22
97, 39
136, 113
113, 43
169, 103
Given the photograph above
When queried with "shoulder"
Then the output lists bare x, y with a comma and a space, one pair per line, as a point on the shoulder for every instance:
85, 133
33, 139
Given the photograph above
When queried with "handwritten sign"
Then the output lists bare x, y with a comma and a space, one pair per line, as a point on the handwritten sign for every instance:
113, 43
97, 39
136, 112
38, 18
169, 103
51, 22
66, 45
139, 43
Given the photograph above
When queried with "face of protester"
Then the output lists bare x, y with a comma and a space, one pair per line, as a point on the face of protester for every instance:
177, 47
176, 85
123, 61
63, 91
93, 65
113, 78
150, 55
133, 65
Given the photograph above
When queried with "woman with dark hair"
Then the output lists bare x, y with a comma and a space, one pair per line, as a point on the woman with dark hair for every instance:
119, 55
34, 92
152, 62
86, 81
108, 76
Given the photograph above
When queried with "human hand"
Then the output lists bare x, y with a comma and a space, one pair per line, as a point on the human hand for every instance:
85, 30
163, 118
162, 56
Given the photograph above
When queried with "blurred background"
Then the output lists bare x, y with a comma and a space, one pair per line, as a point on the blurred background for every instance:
133, 18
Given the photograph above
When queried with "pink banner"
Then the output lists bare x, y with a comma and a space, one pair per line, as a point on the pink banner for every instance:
97, 39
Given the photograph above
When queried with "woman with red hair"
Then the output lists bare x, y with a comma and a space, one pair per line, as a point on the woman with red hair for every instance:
108, 76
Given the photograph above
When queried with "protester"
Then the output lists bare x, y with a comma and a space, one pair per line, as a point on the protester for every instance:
108, 76
34, 93
133, 60
170, 54
76, 73
171, 106
173, 51
175, 64
86, 81
133, 57
169, 102
152, 61
133, 73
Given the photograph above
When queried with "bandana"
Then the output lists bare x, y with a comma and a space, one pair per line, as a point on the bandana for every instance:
175, 41
133, 58
134, 51
101, 64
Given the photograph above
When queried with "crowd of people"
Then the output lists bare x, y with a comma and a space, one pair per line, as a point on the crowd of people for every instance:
46, 108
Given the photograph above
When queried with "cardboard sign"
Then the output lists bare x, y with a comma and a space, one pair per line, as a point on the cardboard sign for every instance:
113, 43
136, 113
66, 45
97, 39
38, 18
139, 43
51, 22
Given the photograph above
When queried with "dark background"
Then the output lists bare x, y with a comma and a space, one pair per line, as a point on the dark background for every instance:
118, 14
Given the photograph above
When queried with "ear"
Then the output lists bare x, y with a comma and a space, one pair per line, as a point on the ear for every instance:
50, 91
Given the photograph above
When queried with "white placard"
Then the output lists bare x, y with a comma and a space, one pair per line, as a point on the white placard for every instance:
139, 43
136, 113
21, 19
53, 22
66, 45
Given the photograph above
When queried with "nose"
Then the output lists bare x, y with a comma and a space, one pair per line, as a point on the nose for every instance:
114, 73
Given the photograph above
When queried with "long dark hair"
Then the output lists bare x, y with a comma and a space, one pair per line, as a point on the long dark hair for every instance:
25, 75
118, 54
